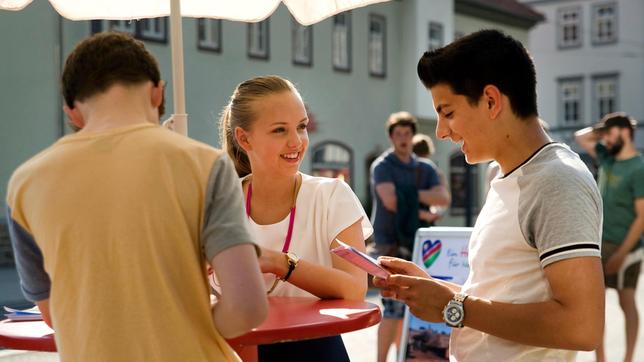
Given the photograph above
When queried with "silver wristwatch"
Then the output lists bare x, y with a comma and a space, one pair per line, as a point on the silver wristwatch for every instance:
454, 313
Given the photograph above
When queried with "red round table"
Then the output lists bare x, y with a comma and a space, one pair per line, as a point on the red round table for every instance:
289, 319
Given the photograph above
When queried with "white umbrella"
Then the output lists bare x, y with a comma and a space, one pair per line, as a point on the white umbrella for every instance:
306, 12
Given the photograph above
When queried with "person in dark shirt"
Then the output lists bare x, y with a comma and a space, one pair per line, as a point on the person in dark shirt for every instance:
399, 183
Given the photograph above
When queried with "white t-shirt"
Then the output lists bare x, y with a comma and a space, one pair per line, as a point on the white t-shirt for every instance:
324, 208
549, 209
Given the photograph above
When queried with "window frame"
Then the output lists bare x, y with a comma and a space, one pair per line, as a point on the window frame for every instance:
345, 68
306, 33
596, 40
260, 54
97, 26
153, 36
350, 164
130, 28
561, 44
435, 26
382, 71
208, 44
595, 80
561, 106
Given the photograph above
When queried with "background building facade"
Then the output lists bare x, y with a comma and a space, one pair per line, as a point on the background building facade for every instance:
590, 61
352, 70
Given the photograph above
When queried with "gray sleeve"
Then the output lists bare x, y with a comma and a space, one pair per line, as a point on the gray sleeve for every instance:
34, 281
560, 213
225, 223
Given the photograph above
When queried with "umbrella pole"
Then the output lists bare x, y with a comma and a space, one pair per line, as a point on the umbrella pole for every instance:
179, 118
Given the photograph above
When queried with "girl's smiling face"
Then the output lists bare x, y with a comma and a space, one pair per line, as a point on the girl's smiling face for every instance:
277, 140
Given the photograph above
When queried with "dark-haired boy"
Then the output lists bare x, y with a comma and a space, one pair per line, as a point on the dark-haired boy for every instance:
112, 225
535, 289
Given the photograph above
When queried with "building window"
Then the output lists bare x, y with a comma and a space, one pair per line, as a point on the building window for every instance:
569, 27
332, 159
209, 34
604, 23
377, 45
126, 26
341, 42
458, 178
436, 37
302, 43
604, 95
570, 98
154, 29
258, 40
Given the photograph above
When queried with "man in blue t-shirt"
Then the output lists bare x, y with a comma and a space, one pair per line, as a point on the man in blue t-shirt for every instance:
400, 183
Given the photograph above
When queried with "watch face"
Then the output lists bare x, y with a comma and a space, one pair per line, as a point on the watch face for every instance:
293, 258
453, 314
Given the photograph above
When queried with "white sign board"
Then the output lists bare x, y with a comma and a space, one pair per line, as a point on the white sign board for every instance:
442, 252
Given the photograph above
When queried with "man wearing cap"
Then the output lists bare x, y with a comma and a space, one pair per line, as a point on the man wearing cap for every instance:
621, 182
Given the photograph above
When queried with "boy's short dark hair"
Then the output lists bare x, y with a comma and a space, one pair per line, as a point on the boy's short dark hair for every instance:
404, 119
103, 60
485, 57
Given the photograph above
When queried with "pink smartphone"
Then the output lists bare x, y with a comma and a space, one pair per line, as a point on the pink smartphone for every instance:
360, 259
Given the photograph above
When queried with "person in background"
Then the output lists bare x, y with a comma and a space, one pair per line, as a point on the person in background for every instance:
423, 147
295, 217
535, 290
112, 226
399, 184
621, 182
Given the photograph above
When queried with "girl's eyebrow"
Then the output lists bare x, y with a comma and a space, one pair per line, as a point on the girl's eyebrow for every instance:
280, 123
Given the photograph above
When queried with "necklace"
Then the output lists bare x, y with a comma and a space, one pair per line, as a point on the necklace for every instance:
289, 233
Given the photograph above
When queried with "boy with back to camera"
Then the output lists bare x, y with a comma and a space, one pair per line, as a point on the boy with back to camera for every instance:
112, 225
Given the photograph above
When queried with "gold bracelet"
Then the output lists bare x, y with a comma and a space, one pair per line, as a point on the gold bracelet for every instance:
277, 280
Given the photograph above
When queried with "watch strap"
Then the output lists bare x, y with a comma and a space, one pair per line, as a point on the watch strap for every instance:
460, 297
291, 266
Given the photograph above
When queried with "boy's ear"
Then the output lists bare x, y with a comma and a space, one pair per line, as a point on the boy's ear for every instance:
76, 119
157, 94
493, 100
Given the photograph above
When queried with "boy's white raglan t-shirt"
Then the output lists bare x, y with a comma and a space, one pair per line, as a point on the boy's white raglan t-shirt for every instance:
547, 210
